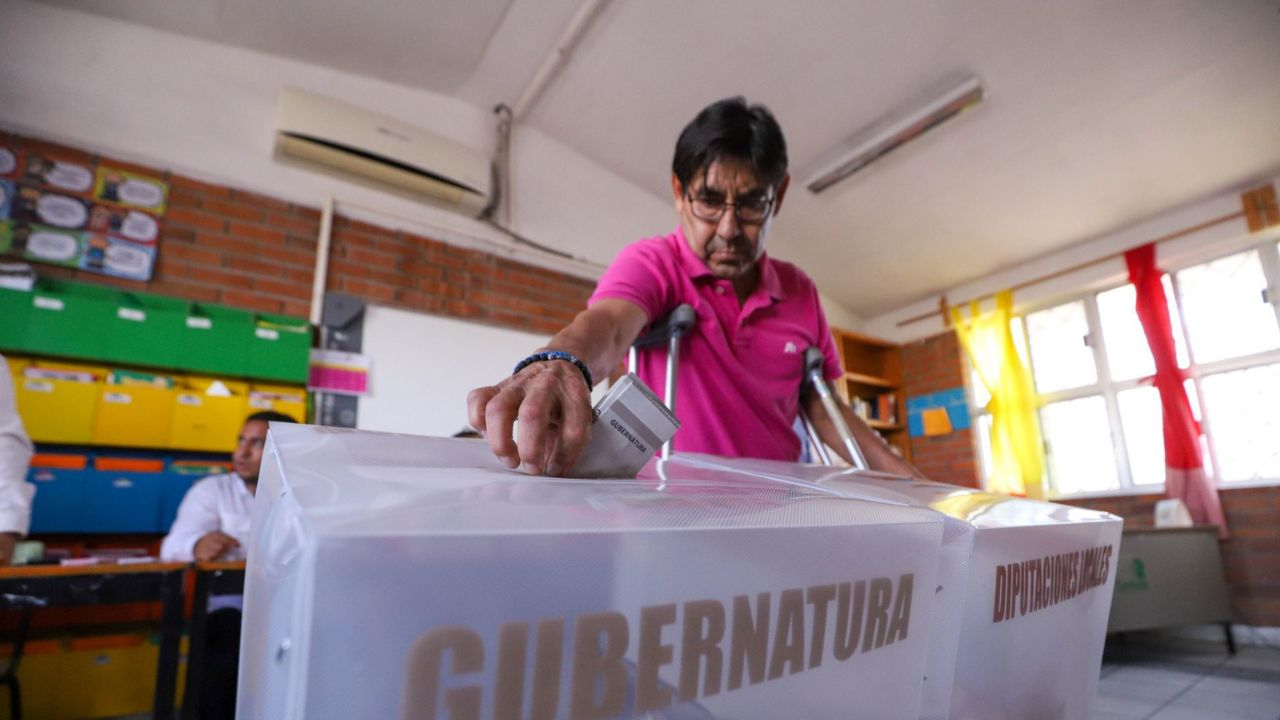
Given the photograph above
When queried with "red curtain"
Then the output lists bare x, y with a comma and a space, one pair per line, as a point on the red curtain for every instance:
1184, 464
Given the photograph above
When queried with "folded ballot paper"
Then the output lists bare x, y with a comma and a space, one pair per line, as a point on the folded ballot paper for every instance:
630, 425
392, 576
1023, 595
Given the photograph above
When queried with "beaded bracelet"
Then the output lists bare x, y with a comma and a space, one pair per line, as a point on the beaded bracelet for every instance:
556, 355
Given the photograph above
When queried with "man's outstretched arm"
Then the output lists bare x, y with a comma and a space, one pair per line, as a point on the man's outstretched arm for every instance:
877, 452
551, 399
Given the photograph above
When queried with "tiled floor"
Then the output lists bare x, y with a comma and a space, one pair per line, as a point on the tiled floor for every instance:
1154, 676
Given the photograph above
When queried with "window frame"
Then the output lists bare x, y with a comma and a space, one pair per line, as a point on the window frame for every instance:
1268, 250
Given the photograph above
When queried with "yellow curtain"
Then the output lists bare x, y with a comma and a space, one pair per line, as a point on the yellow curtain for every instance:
1016, 449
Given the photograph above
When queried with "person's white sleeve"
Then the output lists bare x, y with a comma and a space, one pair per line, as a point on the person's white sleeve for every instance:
15, 455
197, 517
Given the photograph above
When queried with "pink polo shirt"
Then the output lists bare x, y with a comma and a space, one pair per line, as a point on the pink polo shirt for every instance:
741, 366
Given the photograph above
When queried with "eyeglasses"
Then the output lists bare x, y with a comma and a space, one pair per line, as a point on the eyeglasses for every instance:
710, 208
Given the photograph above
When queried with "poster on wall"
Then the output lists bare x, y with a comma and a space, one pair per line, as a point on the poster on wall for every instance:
6, 198
132, 225
125, 189
93, 252
44, 170
937, 413
62, 211
46, 244
10, 162
34, 205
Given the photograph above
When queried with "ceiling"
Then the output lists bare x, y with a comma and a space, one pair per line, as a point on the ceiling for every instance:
1098, 113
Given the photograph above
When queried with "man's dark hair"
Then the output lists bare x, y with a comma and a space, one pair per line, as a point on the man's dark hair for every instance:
732, 129
270, 416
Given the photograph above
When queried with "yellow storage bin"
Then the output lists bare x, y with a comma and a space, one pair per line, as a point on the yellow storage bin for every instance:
207, 414
90, 677
291, 401
57, 401
133, 412
16, 365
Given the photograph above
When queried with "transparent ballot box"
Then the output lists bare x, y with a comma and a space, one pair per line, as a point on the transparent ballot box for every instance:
1023, 594
392, 576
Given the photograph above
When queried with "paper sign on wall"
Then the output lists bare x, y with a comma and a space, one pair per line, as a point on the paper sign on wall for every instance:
57, 174
338, 372
49, 215
937, 413
10, 162
126, 189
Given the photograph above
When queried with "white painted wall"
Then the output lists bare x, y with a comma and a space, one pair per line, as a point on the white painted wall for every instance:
207, 111
423, 366
838, 316
1220, 239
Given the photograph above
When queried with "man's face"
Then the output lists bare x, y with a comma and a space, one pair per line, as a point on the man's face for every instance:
731, 245
248, 455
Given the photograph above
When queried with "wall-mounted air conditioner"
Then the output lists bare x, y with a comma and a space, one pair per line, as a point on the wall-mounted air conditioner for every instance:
355, 143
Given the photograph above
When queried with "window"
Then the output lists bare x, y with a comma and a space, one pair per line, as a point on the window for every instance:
1099, 415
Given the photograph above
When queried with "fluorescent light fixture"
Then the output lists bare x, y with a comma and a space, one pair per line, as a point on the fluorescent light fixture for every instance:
897, 129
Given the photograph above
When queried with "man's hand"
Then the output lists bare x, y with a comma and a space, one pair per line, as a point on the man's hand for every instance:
551, 398
552, 402
213, 545
8, 541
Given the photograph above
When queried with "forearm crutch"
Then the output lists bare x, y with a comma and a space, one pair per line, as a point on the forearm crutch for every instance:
813, 363
667, 330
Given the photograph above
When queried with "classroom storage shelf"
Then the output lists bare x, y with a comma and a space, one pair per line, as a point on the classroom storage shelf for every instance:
66, 319
123, 390
90, 490
96, 405
872, 384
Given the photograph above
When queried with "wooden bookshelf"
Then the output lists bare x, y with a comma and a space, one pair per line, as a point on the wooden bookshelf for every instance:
873, 375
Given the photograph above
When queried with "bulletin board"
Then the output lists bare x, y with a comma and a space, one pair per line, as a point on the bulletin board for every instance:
78, 213
421, 368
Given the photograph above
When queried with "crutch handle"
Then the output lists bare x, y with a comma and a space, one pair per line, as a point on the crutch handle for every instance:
673, 325
813, 360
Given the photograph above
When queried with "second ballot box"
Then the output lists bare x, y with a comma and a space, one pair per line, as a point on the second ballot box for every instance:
393, 576
1024, 591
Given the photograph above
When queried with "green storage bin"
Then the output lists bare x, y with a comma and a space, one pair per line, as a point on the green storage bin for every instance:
15, 314
68, 319
145, 330
216, 340
279, 348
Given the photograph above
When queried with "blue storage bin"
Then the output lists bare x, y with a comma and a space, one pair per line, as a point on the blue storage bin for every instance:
175, 488
122, 494
60, 482
179, 476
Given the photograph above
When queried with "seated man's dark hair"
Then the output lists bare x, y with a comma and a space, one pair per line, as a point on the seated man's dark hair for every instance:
731, 128
270, 416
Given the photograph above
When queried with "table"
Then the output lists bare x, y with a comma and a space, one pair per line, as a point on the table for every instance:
1170, 576
37, 586
212, 578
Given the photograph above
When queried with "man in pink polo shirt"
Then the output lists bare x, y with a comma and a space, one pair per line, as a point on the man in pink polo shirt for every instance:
741, 366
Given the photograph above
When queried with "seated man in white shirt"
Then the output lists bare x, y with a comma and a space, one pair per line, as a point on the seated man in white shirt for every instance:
213, 519
15, 453
213, 524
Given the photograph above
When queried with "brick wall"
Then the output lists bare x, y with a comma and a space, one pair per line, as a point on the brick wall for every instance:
1251, 557
224, 245
929, 366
